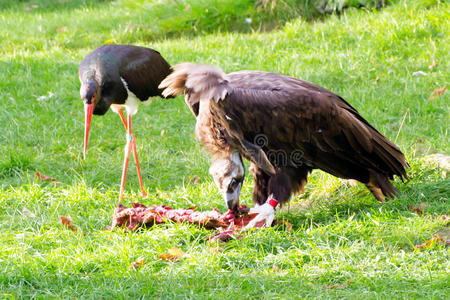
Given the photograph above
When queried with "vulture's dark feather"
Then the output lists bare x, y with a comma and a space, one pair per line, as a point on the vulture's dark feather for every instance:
293, 116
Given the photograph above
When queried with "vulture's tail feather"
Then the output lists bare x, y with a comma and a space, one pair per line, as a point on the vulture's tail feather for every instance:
390, 162
391, 156
207, 82
174, 84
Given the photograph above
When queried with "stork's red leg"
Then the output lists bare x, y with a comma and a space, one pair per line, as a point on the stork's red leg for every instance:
122, 117
125, 166
131, 144
138, 168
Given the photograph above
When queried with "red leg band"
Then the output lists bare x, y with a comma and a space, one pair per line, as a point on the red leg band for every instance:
272, 202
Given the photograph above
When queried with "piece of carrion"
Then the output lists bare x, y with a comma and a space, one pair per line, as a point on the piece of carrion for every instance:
140, 215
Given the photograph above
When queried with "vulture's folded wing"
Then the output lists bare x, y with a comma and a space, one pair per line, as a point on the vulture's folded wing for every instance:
285, 115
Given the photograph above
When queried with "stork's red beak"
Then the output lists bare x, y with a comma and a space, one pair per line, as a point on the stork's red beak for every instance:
88, 110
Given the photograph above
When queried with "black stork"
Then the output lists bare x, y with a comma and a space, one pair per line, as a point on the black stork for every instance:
120, 76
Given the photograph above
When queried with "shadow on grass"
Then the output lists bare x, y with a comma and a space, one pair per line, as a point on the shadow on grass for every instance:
359, 203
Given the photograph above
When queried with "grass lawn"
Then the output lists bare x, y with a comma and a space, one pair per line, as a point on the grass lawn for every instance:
343, 242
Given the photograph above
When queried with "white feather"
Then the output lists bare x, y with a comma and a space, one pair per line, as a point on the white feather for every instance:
132, 103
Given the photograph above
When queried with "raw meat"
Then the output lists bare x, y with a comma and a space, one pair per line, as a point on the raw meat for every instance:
140, 215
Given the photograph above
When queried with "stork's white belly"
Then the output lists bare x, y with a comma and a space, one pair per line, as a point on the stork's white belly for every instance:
132, 103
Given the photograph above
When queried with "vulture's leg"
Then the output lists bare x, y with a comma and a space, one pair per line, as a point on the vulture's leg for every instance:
131, 144
288, 182
261, 185
280, 187
380, 186
375, 189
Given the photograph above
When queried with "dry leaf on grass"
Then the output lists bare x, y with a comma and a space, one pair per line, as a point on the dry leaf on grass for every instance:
67, 223
433, 64
173, 255
216, 249
336, 285
436, 239
418, 209
43, 177
340, 285
224, 236
195, 180
287, 225
420, 140
140, 262
437, 92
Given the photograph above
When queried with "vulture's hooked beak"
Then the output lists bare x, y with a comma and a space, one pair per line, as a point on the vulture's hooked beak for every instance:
88, 110
232, 198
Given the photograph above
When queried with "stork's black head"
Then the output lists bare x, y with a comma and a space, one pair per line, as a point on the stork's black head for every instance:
90, 93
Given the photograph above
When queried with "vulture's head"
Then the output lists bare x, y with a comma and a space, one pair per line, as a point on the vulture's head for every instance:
228, 173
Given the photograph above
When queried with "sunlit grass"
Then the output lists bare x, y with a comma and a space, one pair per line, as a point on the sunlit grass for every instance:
343, 242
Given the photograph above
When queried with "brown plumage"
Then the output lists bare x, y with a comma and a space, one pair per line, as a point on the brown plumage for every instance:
286, 127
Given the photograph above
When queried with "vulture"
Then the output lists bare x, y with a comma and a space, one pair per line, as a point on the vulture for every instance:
285, 127
120, 76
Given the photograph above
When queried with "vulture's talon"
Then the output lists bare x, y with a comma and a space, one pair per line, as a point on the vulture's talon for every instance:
265, 212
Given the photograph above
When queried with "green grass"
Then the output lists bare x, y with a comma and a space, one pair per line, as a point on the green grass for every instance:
343, 242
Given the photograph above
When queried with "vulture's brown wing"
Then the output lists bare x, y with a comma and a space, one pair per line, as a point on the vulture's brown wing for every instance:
193, 103
285, 115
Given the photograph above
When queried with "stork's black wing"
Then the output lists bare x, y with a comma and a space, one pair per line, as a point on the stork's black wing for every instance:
143, 69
